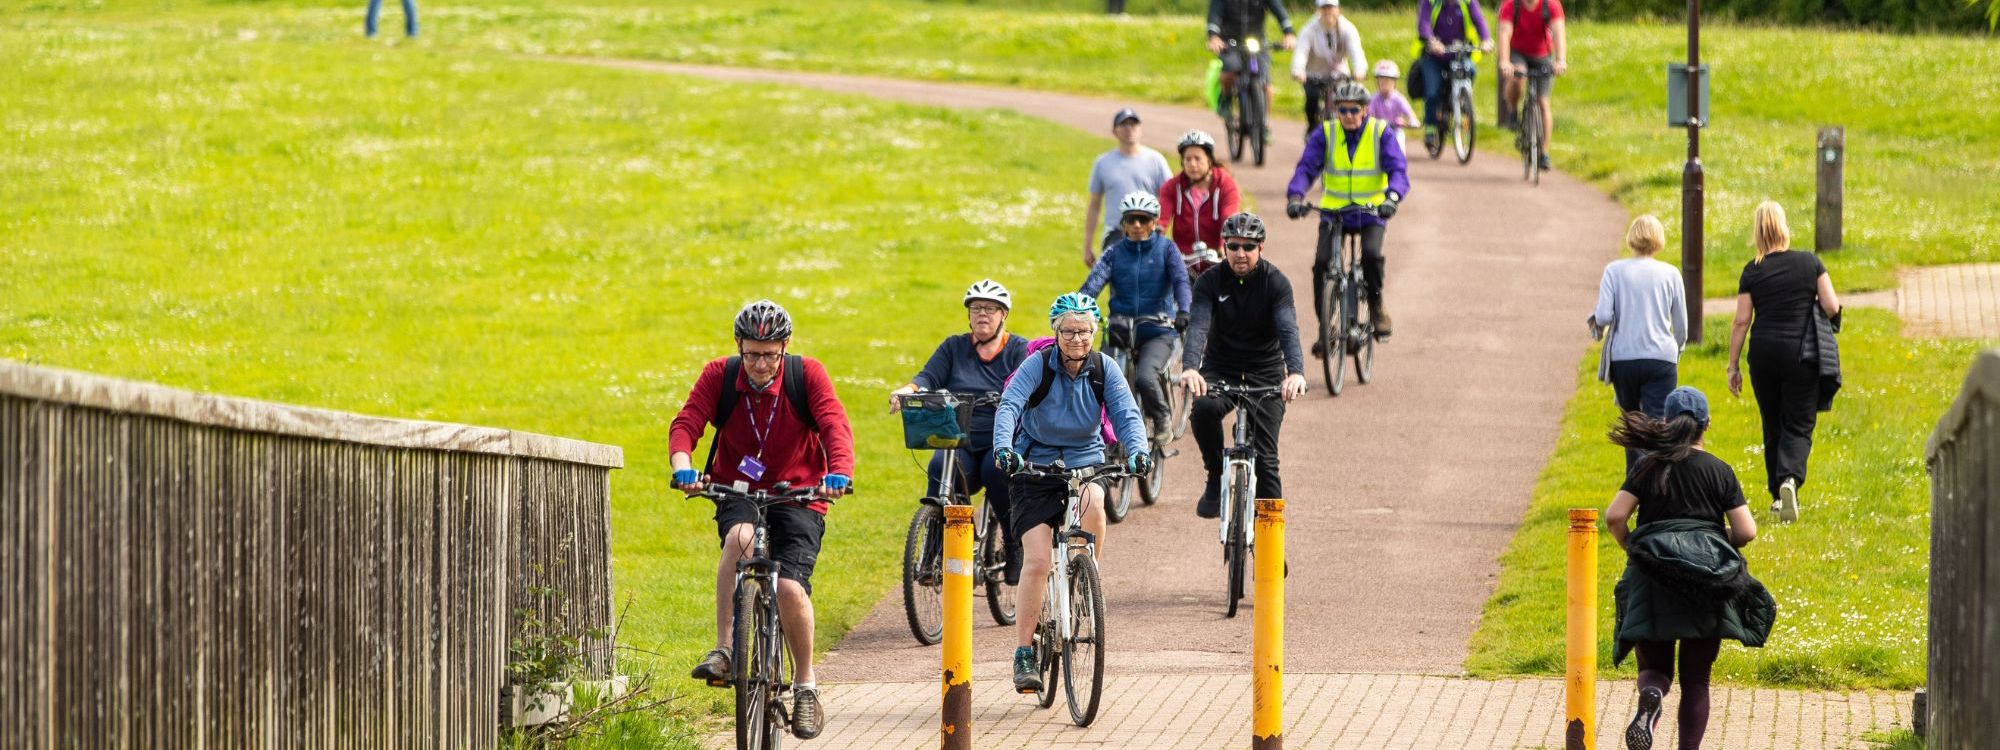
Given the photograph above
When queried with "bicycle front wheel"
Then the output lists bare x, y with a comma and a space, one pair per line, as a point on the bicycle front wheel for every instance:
1253, 122
1531, 142
1153, 484
923, 574
993, 559
1364, 352
1048, 653
1343, 338
1462, 126
1329, 346
1083, 652
751, 659
1236, 547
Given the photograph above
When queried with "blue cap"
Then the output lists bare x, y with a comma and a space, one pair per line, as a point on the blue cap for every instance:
1123, 115
1687, 400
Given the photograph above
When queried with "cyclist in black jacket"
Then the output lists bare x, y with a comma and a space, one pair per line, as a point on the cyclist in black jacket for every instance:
1244, 332
1231, 21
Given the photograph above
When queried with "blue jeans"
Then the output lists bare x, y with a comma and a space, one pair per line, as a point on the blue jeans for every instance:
1437, 86
409, 16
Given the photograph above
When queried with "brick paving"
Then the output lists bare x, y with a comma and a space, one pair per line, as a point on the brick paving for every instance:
1961, 301
1340, 711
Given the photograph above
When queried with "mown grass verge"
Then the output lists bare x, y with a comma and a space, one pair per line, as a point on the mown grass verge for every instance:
451, 234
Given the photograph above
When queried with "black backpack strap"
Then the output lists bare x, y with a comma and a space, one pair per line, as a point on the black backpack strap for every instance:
795, 391
1042, 388
724, 406
1097, 378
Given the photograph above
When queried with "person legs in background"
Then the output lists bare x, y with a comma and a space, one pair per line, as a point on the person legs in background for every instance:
1151, 357
1437, 81
409, 16
1787, 393
976, 472
1315, 105
1642, 385
1656, 678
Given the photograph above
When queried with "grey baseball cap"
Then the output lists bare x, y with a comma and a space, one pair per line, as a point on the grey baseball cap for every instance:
1687, 400
1123, 115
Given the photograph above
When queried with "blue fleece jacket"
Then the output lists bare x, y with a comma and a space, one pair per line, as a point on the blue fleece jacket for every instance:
1065, 425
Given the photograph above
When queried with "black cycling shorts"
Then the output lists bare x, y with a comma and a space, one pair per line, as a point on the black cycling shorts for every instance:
1038, 501
794, 532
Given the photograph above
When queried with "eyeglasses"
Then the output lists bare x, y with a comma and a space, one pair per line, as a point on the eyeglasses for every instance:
1241, 247
753, 357
1077, 334
1138, 220
985, 309
1348, 110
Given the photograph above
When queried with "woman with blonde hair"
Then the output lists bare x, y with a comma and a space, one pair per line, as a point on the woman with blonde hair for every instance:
1775, 302
1643, 305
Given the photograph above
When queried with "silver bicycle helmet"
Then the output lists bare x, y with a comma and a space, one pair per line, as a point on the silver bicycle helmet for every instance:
1245, 225
1196, 138
990, 290
1349, 91
1139, 202
763, 320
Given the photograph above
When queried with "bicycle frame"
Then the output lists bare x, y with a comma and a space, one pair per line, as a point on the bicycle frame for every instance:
1241, 456
1071, 539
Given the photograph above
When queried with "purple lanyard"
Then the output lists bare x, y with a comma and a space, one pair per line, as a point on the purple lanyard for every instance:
770, 421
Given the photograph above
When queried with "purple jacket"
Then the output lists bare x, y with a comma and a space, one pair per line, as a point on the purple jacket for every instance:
1450, 25
1312, 164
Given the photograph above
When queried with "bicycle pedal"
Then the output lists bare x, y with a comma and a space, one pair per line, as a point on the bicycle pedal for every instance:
718, 683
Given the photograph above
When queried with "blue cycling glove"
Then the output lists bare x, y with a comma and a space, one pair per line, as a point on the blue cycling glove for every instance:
1139, 463
685, 477
1008, 461
836, 482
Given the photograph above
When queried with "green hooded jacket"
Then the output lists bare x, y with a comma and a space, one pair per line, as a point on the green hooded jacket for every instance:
1684, 581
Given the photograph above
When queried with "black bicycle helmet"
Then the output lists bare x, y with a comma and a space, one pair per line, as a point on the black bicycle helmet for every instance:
763, 320
1349, 91
1245, 225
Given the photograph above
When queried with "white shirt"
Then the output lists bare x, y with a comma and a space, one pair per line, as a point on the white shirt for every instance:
1321, 53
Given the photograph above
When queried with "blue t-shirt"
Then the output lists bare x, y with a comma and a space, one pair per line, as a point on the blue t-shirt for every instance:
956, 366
1115, 174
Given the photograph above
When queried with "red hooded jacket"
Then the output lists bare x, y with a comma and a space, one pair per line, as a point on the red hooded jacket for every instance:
1189, 223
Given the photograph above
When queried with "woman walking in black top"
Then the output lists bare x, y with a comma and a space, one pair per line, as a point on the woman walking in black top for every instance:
1685, 584
1778, 291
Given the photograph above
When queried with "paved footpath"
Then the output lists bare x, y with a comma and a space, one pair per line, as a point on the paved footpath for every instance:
1957, 301
1401, 493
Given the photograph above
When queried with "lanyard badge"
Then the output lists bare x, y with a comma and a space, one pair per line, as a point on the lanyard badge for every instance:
752, 466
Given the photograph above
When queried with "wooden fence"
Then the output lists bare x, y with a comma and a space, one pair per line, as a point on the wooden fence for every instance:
1964, 673
180, 570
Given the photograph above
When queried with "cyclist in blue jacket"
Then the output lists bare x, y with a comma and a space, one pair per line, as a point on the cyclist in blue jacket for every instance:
1145, 268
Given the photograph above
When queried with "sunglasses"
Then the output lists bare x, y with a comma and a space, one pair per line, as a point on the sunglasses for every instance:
1138, 220
1349, 110
1241, 247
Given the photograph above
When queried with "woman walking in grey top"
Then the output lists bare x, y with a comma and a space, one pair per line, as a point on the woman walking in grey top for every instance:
1643, 306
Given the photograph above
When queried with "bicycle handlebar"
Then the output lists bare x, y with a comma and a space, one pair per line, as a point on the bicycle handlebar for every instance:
1246, 390
778, 494
978, 398
1083, 473
1351, 208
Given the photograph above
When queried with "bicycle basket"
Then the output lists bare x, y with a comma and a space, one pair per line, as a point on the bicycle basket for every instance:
933, 421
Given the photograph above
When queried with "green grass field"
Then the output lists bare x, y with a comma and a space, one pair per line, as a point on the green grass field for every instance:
462, 236
1850, 578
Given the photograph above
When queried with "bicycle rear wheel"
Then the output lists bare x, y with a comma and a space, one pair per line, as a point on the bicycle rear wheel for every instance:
751, 662
923, 574
993, 562
1462, 126
1329, 305
1083, 653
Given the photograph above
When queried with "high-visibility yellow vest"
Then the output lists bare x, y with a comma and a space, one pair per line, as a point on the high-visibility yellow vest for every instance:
1353, 180
1471, 31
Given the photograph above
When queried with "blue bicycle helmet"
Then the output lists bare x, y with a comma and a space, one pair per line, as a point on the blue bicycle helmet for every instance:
1074, 303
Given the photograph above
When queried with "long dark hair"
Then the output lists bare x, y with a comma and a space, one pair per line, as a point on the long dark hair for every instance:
1662, 443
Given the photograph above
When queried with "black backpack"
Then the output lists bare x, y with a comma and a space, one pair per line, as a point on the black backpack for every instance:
793, 381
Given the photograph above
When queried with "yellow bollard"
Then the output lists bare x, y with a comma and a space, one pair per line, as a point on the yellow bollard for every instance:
1267, 724
956, 733
1580, 688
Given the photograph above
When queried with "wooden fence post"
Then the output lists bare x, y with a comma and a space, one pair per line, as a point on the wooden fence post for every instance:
1831, 156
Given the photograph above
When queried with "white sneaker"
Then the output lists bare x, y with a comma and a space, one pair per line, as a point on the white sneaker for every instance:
1788, 501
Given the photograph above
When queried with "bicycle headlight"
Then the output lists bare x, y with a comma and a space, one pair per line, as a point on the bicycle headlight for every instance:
1253, 44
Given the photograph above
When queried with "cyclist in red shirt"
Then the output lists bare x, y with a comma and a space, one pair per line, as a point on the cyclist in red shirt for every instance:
782, 423
1194, 202
1535, 37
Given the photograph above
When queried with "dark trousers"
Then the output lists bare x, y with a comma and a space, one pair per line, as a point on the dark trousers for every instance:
976, 472
1151, 357
1266, 418
1327, 255
1437, 83
1787, 392
1315, 105
1642, 385
409, 16
1656, 670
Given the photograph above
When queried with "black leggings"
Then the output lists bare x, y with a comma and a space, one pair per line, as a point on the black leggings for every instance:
1327, 258
1656, 670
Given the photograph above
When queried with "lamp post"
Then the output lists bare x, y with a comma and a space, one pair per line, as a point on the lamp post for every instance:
1691, 180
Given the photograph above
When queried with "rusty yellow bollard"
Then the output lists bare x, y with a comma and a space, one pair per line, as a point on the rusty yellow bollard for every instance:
1580, 687
956, 732
1267, 724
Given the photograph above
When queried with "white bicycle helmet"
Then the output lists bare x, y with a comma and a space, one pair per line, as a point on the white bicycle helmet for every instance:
1387, 69
989, 290
1139, 202
1196, 138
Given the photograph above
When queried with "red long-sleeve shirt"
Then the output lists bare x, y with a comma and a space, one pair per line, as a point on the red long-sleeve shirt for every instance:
790, 453
1188, 222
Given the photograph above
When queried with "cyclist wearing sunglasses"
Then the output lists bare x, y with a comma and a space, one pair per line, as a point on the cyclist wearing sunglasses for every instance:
1245, 333
764, 438
1356, 166
1151, 283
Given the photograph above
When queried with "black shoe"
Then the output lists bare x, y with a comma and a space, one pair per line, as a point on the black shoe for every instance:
1318, 350
1639, 734
1012, 574
807, 716
1210, 505
1026, 678
1545, 163
714, 668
